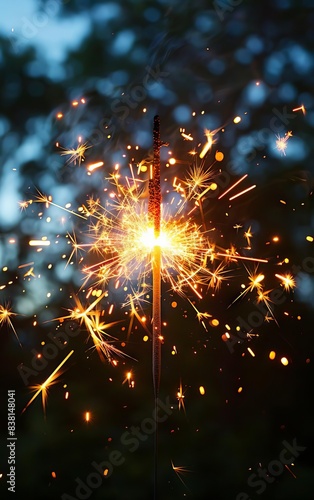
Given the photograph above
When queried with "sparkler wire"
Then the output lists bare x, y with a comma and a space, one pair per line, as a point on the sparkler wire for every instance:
154, 213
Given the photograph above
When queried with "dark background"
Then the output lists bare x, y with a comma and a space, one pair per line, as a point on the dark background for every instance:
208, 57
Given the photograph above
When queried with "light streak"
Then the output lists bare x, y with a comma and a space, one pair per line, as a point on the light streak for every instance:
43, 388
180, 470
289, 470
94, 166
300, 108
26, 265
233, 186
39, 243
41, 198
242, 192
241, 257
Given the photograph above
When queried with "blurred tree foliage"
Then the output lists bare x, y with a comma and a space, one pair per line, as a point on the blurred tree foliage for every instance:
218, 59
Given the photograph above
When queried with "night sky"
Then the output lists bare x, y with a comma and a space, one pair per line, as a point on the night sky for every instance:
81, 82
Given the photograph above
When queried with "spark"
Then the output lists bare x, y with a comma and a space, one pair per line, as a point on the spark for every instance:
75, 247
282, 142
289, 470
30, 273
241, 257
233, 186
288, 281
248, 235
97, 329
39, 243
51, 380
5, 318
209, 136
255, 283
180, 397
41, 198
242, 192
26, 265
180, 470
201, 316
198, 181
24, 204
185, 136
263, 296
300, 108
76, 154
129, 380
94, 166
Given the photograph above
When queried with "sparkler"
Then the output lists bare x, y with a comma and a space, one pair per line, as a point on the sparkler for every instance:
130, 240
154, 215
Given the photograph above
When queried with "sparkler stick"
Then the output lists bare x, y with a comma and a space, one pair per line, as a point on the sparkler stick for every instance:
154, 217
154, 214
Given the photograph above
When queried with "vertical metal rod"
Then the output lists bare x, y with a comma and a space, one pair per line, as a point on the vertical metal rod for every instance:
154, 211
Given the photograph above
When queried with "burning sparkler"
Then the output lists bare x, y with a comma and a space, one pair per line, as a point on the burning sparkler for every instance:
132, 240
